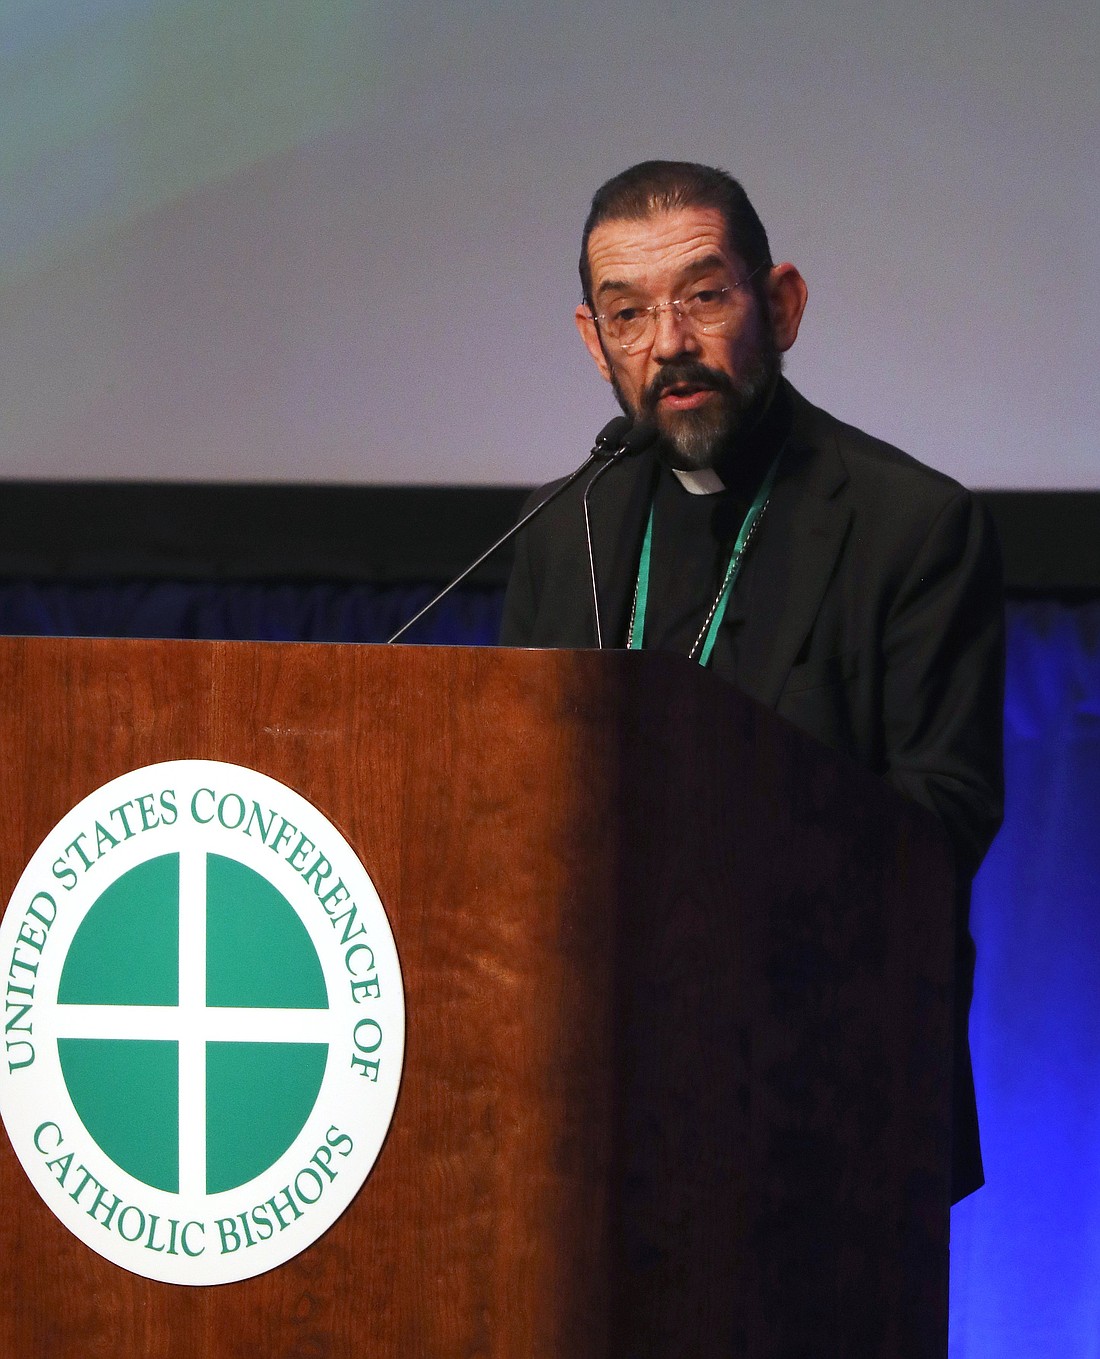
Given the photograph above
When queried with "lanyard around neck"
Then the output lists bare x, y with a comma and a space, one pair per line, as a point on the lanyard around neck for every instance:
709, 631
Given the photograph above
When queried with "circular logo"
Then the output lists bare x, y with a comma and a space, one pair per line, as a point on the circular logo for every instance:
204, 1022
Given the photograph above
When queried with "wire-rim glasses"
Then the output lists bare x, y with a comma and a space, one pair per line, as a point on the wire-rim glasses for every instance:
706, 310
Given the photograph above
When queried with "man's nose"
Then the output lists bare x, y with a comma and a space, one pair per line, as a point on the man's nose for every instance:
674, 333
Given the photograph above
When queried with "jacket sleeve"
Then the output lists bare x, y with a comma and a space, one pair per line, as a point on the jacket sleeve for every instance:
943, 700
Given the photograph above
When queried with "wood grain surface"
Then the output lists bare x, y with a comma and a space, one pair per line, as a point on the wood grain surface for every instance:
677, 995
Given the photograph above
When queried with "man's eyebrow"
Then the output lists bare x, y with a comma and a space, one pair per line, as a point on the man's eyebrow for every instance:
706, 264
614, 285
694, 269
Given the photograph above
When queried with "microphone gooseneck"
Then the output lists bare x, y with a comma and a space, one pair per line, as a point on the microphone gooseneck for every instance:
618, 438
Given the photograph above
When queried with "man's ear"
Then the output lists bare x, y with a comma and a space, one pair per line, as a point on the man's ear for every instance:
787, 293
591, 337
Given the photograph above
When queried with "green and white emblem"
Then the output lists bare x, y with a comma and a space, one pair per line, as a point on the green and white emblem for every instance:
204, 1022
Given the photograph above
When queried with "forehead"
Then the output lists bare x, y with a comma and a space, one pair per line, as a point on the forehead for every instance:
652, 252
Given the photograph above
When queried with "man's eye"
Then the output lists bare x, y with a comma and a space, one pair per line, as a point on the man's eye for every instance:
707, 297
624, 315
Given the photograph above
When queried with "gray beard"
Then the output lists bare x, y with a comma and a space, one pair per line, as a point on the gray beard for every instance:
694, 440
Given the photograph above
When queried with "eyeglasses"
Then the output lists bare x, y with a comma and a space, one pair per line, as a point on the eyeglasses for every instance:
707, 310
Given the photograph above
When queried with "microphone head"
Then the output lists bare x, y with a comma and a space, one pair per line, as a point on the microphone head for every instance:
610, 438
623, 437
641, 435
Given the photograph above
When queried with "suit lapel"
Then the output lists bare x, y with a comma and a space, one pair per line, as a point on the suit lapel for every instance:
801, 537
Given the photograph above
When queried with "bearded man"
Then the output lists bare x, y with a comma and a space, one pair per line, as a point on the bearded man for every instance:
826, 574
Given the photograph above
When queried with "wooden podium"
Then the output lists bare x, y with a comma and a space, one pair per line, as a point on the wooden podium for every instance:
678, 1005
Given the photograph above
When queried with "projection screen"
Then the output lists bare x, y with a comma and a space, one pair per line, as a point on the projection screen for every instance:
337, 242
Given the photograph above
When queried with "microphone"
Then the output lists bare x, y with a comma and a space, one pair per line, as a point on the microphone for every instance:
636, 440
612, 437
618, 438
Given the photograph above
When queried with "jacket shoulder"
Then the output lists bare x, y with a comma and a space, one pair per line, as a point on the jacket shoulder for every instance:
877, 470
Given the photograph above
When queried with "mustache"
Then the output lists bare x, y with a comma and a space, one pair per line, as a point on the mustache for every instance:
684, 372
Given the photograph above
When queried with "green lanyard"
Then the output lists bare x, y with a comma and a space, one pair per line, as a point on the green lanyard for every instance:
713, 621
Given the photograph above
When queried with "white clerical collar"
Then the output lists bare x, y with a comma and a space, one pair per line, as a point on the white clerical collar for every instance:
704, 482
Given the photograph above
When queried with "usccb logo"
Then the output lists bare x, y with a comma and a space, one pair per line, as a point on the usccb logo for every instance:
204, 1022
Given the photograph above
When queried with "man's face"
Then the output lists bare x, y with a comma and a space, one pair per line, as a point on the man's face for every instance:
700, 388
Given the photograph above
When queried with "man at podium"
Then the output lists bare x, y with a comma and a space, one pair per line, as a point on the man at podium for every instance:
826, 574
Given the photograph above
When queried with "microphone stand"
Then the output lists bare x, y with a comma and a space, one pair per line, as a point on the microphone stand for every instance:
615, 431
591, 553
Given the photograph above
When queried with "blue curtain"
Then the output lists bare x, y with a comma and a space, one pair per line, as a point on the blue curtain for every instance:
1025, 1278
1025, 1251
247, 612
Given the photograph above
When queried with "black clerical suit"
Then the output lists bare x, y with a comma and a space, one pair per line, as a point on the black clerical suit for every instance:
868, 612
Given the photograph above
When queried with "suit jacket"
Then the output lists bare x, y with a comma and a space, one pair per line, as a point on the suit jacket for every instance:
872, 618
